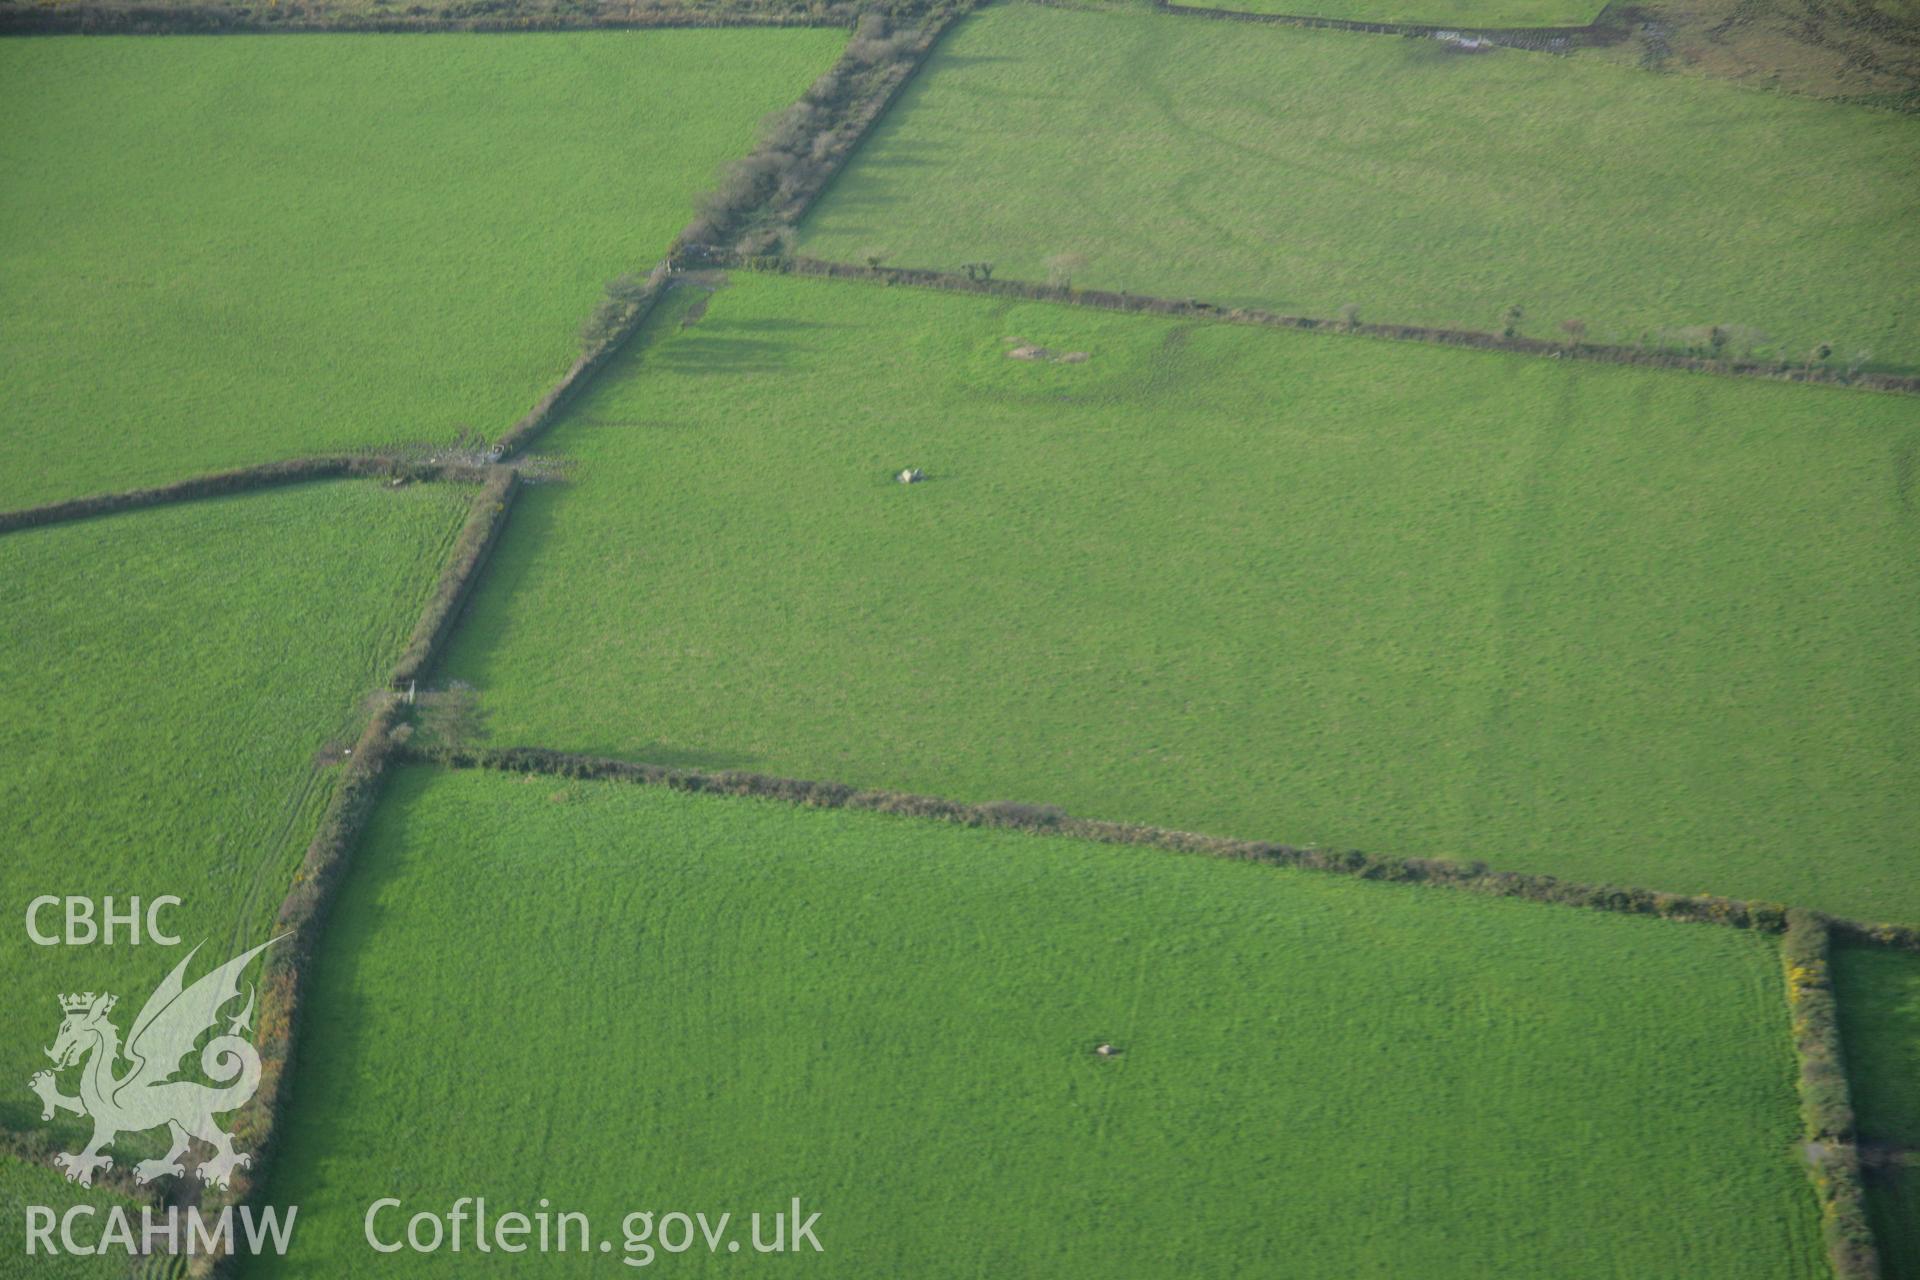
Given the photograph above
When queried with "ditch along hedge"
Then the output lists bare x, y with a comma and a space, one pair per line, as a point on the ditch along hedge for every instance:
712, 255
88, 18
763, 196
1826, 1108
303, 912
1474, 877
265, 476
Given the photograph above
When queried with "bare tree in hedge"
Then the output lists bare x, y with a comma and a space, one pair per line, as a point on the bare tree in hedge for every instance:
623, 296
1576, 331
1511, 327
454, 717
799, 146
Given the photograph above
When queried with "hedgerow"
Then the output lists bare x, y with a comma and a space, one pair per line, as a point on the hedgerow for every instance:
762, 196
1825, 1104
303, 911
1474, 877
239, 480
765, 259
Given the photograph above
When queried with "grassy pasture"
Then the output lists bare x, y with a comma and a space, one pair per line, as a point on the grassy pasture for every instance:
1466, 13
1306, 170
1880, 1033
23, 1184
624, 998
221, 252
1626, 627
166, 678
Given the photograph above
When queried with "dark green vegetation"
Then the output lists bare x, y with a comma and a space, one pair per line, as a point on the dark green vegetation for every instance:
166, 680
621, 997
1880, 1025
1622, 626
1465, 13
229, 251
1307, 171
1866, 51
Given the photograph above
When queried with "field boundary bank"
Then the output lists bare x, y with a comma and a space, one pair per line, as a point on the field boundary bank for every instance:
1475, 877
620, 321
1601, 353
204, 20
1826, 1103
1536, 39
217, 484
842, 105
303, 911
763, 195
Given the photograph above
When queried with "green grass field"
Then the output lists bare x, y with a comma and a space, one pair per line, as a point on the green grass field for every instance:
221, 252
623, 998
166, 679
1305, 171
1880, 1032
1626, 627
23, 1184
1466, 13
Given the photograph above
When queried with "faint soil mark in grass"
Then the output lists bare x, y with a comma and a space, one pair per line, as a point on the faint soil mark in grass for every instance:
1529, 484
1903, 478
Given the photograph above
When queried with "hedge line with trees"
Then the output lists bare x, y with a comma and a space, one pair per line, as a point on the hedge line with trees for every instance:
977, 277
1473, 877
303, 911
1826, 1106
265, 476
477, 536
762, 197
623, 306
